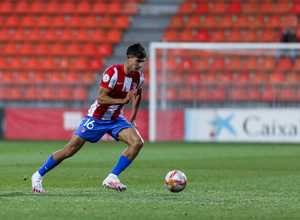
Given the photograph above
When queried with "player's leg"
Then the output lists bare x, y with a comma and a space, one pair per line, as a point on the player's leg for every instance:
135, 142
56, 158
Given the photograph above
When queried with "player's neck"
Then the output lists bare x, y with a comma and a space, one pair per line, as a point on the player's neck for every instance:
127, 71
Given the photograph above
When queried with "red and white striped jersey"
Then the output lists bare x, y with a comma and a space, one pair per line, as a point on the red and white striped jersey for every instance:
119, 84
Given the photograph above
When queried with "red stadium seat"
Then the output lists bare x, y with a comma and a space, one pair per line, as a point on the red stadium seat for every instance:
225, 21
253, 94
130, 8
52, 7
34, 35
292, 78
16, 63
90, 22
237, 94
12, 21
43, 21
96, 64
71, 78
194, 78
268, 64
97, 36
28, 21
258, 21
282, 7
18, 35
234, 36
211, 78
31, 93
104, 50
7, 78
266, 7
37, 8
234, 8
250, 7
218, 64
194, 21
186, 94
64, 63
226, 78
185, 8
296, 7
23, 78
67, 7
3, 63
88, 78
290, 20
4, 35
171, 64
259, 78
276, 78
26, 49
58, 21
250, 36
81, 35
114, 36
14, 93
176, 21
218, 94
251, 63
99, 7
48, 94
48, 63
21, 7
39, 78
41, 49
286, 94
73, 49
235, 64
79, 94
88, 49
80, 64
269, 94
202, 36
203, 94
218, 36
6, 7
63, 94
57, 49
106, 22
50, 35
202, 8
83, 8
186, 64
9, 49
274, 21
186, 35
267, 35
202, 64
170, 36
242, 21
242, 78
32, 63
218, 7
284, 64
210, 22
74, 21
114, 8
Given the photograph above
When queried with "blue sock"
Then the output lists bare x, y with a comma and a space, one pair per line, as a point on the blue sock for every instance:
121, 165
49, 165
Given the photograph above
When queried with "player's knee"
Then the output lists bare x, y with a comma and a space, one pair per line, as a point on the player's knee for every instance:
138, 144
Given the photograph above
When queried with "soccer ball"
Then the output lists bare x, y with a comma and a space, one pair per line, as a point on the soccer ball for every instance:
175, 181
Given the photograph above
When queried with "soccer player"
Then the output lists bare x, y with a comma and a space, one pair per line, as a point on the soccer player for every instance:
120, 84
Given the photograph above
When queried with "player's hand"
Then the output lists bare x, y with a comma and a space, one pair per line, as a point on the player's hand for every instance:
130, 95
133, 123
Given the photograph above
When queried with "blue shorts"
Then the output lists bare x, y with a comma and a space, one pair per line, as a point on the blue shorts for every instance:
92, 129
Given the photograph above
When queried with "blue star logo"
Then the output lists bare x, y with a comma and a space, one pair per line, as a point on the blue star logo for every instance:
221, 123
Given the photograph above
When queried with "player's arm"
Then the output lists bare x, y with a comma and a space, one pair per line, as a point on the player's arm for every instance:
104, 99
135, 106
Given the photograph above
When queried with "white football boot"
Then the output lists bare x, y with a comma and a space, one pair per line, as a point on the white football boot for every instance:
112, 182
36, 181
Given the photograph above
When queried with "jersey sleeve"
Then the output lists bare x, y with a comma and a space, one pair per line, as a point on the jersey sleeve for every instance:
142, 81
108, 79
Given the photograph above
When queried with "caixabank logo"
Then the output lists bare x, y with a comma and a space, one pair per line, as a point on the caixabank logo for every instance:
220, 124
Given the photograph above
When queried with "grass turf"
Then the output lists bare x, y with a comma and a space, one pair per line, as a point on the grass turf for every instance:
225, 181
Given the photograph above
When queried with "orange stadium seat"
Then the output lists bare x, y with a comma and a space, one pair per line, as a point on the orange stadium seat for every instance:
185, 8
253, 94
218, 64
37, 8
251, 63
114, 8
257, 21
276, 78
290, 20
218, 36
106, 22
170, 36
73, 49
269, 94
210, 22
194, 21
97, 35
186, 94
225, 21
90, 21
186, 35
292, 78
31, 93
203, 94
286, 94
176, 21
79, 94
48, 93
218, 7
250, 7
234, 36
130, 8
235, 64
242, 21
99, 7
218, 94
202, 36
284, 64
122, 22
259, 78
114, 36
21, 7
250, 36
211, 78
266, 7
83, 7
282, 7
267, 35
274, 21
67, 7
234, 8
34, 35
87, 78
237, 94
242, 78
202, 64
202, 8
194, 78
226, 78
296, 7
52, 7
55, 78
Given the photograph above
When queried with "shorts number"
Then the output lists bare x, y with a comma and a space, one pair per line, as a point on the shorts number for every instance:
89, 124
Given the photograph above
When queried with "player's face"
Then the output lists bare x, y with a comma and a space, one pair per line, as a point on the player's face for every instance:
136, 63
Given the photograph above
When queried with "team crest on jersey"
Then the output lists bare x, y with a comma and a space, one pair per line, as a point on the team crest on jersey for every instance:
83, 130
105, 78
134, 85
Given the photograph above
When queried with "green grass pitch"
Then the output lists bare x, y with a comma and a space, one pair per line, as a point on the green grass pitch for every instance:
225, 181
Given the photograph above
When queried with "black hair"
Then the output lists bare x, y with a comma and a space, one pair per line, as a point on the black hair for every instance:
136, 50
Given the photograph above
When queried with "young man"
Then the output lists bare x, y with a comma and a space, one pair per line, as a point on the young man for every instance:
120, 84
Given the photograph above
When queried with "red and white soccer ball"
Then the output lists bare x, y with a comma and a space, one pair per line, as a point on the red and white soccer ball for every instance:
175, 181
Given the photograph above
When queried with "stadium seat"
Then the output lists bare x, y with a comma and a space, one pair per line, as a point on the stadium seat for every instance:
37, 8
202, 8
79, 63
23, 78
90, 22
47, 63
81, 35
18, 35
186, 64
290, 20
258, 21
186, 94
32, 63
122, 22
250, 7
211, 78
74, 22
95, 64
218, 7
297, 64
251, 63
4, 35
7, 78
12, 21
203, 94
97, 35
171, 64
297, 94
253, 94
284, 64
67, 7
235, 63
63, 94
71, 78
242, 78
202, 64
48, 94
217, 36
73, 49
234, 36
79, 94
39, 78
3, 63
58, 21
171, 94
276, 78
242, 21
57, 49
186, 35
286, 94
16, 63
234, 8
282, 7
170, 36
6, 7
193, 78
31, 93
14, 93
34, 35
113, 36
193, 21
176, 22
292, 78
49, 35
106, 22
237, 94
266, 7
259, 78
225, 21
21, 7
104, 50
83, 8
55, 78
52, 7
27, 21
88, 49
250, 36
218, 94
267, 64
43, 21
226, 78
114, 8
99, 7
218, 64
269, 94
274, 21
130, 8
202, 36
41, 49
9, 49
267, 35
210, 22
26, 49
296, 7
64, 63
185, 8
